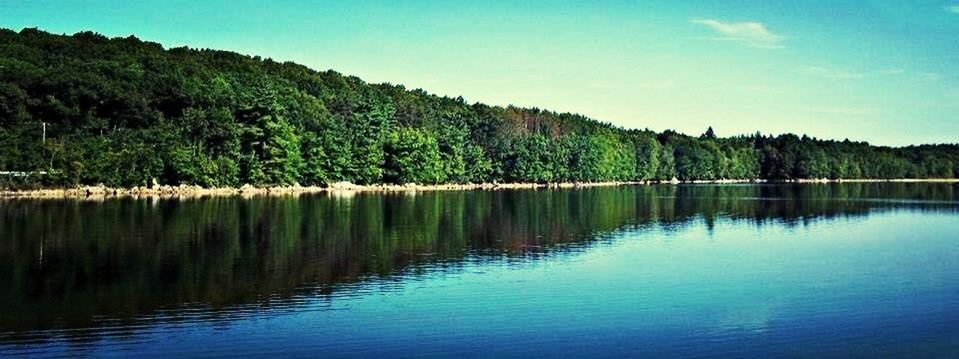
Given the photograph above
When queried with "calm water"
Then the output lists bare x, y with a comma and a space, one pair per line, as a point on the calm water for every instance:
656, 271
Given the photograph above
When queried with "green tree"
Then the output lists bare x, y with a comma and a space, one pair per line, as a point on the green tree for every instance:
413, 156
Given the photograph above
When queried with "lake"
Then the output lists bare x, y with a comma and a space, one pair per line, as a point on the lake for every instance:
812, 270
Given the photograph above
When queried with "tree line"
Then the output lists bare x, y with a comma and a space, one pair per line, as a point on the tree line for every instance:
87, 109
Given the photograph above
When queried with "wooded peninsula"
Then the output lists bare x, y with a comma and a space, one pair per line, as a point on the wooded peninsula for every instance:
86, 109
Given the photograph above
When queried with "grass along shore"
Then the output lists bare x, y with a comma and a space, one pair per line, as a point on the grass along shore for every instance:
346, 187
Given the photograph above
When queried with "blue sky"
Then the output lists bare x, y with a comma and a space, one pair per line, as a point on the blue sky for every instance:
882, 71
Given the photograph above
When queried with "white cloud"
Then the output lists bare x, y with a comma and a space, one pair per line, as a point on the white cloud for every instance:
664, 84
953, 9
831, 73
850, 111
764, 89
892, 72
753, 34
929, 76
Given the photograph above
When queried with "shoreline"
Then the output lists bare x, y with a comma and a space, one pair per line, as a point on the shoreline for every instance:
346, 188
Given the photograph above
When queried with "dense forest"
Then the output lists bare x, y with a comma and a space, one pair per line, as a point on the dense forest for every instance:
87, 109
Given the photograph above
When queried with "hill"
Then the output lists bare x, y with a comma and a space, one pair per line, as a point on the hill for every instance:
87, 109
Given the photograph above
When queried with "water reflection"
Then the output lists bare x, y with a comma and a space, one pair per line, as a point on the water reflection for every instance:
85, 270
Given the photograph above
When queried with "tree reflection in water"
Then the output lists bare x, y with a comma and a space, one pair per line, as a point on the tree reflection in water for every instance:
68, 265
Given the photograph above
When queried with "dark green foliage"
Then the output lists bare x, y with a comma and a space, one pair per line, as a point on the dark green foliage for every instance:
413, 156
647, 156
125, 112
366, 132
532, 160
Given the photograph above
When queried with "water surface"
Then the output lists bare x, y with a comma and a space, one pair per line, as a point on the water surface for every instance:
654, 271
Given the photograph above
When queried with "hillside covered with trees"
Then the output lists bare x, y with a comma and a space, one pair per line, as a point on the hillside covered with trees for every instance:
86, 109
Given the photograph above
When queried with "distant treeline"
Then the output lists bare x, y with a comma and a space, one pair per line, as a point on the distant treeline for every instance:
86, 109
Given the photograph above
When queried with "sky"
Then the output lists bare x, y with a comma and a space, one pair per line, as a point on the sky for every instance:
882, 71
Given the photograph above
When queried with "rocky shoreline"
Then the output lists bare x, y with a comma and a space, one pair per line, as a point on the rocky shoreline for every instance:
248, 190
348, 188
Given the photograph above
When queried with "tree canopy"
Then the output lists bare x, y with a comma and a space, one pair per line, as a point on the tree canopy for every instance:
87, 109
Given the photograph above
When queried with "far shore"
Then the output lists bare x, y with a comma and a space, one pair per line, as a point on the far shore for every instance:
342, 188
